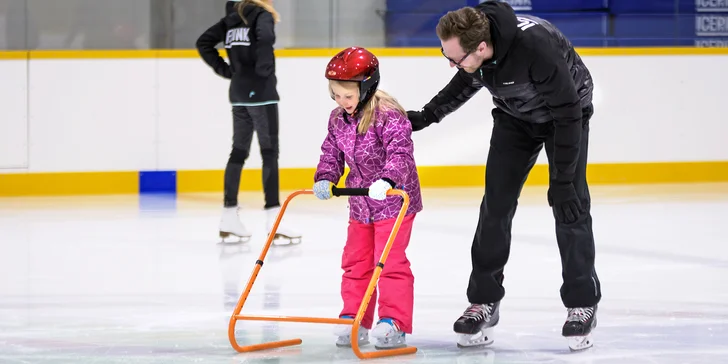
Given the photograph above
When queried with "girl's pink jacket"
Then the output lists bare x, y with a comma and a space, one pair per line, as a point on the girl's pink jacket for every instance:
386, 150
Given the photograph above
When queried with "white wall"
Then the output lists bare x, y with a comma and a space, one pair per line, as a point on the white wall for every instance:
93, 115
141, 114
13, 114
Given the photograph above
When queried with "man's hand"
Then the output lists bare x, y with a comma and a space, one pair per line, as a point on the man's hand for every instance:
567, 207
420, 119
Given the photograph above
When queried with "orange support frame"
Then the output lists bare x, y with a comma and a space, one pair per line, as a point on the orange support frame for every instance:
356, 322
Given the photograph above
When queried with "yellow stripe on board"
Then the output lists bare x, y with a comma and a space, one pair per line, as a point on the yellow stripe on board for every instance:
328, 52
251, 179
181, 53
81, 183
13, 55
95, 183
94, 54
652, 51
667, 172
474, 176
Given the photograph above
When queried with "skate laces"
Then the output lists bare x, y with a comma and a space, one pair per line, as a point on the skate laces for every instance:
479, 312
580, 314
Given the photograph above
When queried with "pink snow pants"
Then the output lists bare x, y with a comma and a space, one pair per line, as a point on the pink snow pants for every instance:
364, 245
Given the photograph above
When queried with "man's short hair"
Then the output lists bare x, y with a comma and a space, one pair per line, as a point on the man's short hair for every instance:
468, 24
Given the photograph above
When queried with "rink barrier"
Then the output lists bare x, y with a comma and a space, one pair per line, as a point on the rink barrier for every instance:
22, 183
191, 181
330, 52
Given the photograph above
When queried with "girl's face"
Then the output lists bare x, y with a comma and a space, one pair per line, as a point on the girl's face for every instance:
346, 95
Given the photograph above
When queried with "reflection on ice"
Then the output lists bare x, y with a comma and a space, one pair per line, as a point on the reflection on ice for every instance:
123, 279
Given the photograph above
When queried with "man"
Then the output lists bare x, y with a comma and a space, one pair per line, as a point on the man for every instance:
543, 96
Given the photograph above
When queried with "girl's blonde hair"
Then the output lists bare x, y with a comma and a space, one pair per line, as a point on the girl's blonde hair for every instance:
381, 101
262, 3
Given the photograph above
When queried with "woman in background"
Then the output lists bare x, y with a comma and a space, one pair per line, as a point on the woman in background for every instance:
248, 33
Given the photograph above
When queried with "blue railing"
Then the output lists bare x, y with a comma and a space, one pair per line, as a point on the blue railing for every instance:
587, 23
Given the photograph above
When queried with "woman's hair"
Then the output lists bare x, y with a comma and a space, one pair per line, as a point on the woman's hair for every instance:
381, 101
262, 3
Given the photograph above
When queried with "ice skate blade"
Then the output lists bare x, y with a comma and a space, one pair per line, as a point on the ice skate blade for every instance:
482, 338
280, 239
580, 343
345, 341
398, 346
348, 344
389, 346
241, 239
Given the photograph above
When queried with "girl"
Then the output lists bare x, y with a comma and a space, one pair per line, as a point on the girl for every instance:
248, 33
370, 131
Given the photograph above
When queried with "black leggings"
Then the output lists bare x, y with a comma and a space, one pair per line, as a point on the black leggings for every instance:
264, 121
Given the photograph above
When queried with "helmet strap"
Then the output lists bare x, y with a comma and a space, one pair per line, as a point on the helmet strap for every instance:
367, 89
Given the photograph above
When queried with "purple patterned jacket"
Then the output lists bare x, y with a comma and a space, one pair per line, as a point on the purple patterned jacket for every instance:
386, 150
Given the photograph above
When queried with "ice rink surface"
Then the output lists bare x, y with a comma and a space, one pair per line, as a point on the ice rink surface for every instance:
142, 279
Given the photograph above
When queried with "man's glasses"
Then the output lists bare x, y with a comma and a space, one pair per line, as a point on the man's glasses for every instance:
457, 63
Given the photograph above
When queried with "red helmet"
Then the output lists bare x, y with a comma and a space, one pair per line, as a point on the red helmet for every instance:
356, 64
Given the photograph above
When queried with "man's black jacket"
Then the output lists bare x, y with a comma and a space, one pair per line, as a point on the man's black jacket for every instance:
534, 75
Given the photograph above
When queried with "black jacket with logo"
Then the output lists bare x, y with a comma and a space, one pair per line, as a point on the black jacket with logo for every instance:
250, 51
534, 75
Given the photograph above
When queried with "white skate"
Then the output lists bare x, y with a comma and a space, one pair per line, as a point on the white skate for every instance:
344, 335
284, 234
388, 335
230, 225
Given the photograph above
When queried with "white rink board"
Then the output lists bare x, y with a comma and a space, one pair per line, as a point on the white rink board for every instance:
139, 114
13, 114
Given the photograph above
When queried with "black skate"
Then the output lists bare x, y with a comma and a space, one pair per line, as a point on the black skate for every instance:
579, 324
475, 326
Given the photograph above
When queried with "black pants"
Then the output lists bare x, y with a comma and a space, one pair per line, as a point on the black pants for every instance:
262, 120
514, 148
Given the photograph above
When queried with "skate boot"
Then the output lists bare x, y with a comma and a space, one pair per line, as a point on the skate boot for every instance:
388, 335
344, 335
230, 225
475, 326
284, 234
579, 324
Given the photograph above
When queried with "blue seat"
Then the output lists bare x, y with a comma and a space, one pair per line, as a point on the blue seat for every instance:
406, 41
666, 6
411, 29
411, 23
670, 42
425, 6
670, 25
418, 29
650, 42
578, 25
556, 6
598, 42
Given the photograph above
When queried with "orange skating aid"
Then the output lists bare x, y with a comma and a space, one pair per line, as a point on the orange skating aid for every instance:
356, 322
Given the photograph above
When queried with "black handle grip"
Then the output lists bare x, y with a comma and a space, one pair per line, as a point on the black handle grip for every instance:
349, 191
